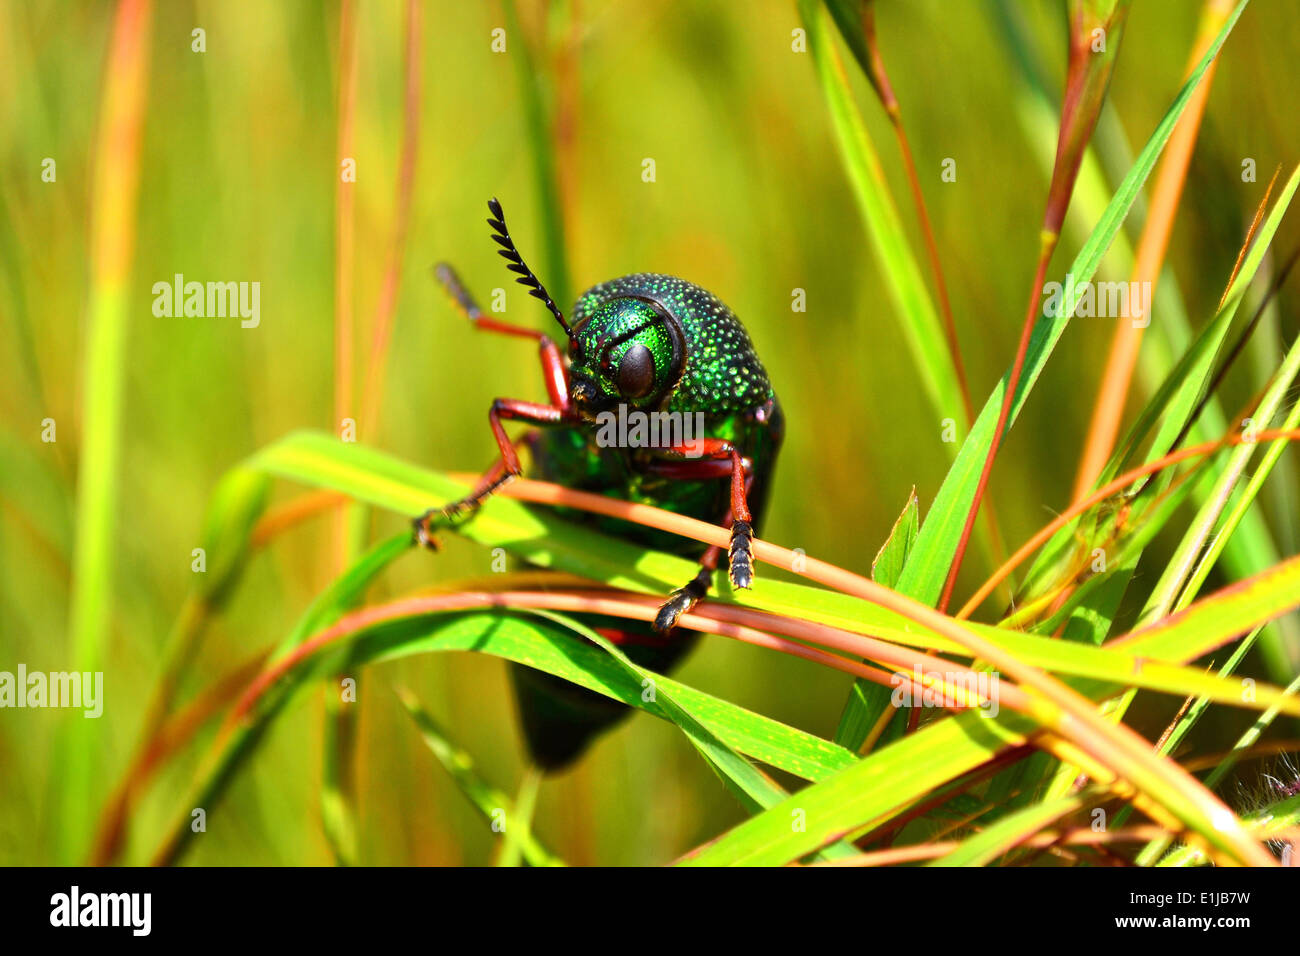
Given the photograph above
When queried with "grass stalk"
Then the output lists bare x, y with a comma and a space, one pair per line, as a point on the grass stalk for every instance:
115, 190
1112, 392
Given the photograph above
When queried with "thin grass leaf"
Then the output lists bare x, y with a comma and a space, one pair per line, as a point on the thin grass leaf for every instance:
914, 309
867, 793
1010, 830
488, 799
1282, 815
512, 850
867, 700
546, 540
755, 790
115, 188
1181, 579
1167, 414
1252, 547
541, 150
926, 571
342, 594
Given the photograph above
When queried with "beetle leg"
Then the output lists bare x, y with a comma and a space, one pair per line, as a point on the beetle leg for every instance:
718, 458
506, 468
556, 375
685, 598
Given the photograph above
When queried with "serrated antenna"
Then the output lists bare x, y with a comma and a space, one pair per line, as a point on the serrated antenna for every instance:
515, 263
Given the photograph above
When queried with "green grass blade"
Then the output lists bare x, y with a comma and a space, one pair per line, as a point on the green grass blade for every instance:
868, 792
913, 307
544, 539
1252, 547
995, 840
755, 790
867, 700
1280, 816
115, 188
1181, 579
343, 593
488, 799
927, 569
553, 265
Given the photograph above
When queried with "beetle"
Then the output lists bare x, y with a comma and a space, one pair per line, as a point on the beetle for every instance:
638, 345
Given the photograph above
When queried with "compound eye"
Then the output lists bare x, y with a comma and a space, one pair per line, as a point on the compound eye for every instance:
636, 372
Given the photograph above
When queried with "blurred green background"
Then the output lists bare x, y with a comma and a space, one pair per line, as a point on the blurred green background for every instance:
750, 200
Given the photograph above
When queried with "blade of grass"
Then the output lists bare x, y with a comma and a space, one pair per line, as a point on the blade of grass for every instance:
382, 321
1168, 414
1162, 597
1087, 79
384, 638
1283, 815
868, 703
912, 304
927, 569
525, 639
856, 20
541, 148
754, 789
487, 798
460, 766
1008, 832
549, 541
236, 505
526, 805
342, 594
1112, 392
115, 190
1180, 579
337, 793
1253, 546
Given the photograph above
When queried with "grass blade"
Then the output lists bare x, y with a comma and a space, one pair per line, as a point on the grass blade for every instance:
926, 571
115, 190
489, 800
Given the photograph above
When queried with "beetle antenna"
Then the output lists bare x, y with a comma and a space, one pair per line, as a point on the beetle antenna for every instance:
525, 275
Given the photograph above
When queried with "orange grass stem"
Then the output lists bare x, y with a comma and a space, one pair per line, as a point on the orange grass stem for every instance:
1104, 492
382, 326
344, 223
1080, 836
884, 89
1112, 393
723, 620
1062, 709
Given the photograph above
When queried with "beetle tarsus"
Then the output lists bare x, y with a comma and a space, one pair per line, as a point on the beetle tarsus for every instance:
681, 601
422, 529
740, 563
453, 514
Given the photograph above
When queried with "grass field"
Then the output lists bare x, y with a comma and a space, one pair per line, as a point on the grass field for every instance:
324, 156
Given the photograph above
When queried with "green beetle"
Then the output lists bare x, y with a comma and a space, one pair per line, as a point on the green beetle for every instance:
662, 401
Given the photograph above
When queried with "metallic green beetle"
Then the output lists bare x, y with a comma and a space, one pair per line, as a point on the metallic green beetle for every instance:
671, 359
